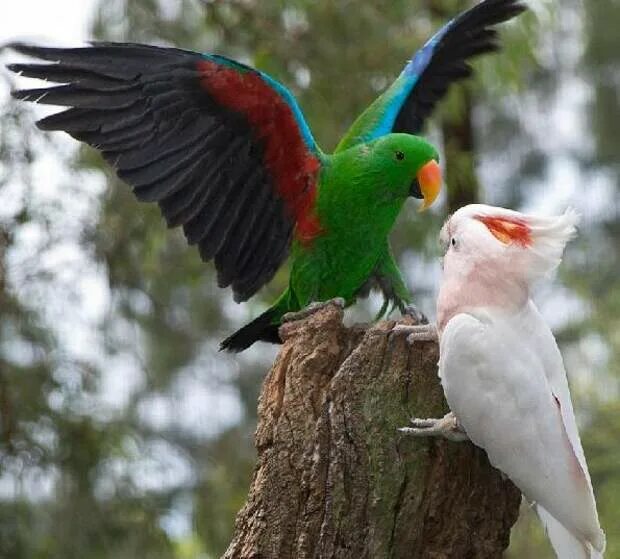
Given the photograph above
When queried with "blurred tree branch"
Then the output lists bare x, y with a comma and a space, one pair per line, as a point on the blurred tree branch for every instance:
335, 479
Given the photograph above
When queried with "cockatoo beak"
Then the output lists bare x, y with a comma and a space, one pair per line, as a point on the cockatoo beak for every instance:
429, 178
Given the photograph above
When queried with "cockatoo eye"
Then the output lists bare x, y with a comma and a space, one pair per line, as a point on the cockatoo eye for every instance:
453, 242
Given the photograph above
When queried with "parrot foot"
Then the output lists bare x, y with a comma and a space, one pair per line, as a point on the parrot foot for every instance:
312, 308
412, 311
418, 333
447, 427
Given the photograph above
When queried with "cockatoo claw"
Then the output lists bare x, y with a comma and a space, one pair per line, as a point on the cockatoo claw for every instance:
447, 427
312, 308
418, 332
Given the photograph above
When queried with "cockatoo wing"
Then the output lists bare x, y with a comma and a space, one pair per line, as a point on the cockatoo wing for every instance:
504, 379
545, 346
563, 541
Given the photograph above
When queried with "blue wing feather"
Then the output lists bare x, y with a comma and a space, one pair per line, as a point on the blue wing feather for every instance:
423, 57
406, 104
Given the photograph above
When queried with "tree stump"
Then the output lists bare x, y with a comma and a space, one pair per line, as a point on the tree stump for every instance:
334, 478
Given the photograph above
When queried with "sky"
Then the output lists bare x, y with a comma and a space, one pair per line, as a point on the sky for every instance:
58, 21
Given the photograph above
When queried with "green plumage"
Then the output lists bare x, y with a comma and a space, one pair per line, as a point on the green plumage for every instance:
361, 192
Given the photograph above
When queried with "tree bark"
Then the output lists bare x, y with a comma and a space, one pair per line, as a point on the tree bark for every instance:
335, 479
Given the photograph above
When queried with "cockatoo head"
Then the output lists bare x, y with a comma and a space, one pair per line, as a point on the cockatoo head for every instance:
493, 255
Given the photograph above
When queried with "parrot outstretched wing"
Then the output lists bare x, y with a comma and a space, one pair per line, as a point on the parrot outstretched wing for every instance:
495, 372
443, 60
222, 148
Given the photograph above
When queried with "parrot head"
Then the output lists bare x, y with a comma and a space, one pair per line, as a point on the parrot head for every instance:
494, 254
410, 165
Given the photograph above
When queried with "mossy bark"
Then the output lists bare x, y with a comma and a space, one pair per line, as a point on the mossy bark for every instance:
335, 479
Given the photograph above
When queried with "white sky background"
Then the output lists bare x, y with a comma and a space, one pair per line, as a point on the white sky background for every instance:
58, 21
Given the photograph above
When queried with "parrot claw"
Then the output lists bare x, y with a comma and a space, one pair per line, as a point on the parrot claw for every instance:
412, 311
312, 308
418, 333
447, 427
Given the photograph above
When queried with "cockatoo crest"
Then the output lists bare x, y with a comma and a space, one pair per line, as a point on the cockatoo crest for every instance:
537, 242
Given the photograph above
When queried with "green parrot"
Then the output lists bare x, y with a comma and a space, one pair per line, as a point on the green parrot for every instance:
227, 154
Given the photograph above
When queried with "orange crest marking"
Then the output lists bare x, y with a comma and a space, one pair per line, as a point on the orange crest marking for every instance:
508, 230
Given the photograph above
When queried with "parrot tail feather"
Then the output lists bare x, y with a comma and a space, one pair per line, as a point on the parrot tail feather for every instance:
261, 328
565, 544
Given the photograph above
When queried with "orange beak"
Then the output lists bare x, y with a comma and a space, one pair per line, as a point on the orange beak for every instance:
429, 178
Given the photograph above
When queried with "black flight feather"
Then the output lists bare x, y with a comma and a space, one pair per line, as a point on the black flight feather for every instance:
148, 112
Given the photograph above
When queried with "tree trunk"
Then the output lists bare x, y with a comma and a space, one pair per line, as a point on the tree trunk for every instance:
335, 479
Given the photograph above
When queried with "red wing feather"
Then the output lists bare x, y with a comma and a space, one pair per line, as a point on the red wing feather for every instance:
222, 148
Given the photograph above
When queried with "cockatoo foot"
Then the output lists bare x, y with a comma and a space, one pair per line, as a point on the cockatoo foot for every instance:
415, 313
312, 308
418, 332
447, 427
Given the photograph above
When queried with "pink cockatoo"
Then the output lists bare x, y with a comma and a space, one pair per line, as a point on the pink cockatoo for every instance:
502, 371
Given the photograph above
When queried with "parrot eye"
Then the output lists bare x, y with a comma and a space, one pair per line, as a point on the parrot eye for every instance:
399, 155
453, 242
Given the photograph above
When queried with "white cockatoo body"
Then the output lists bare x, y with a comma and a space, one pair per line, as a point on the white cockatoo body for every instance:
501, 369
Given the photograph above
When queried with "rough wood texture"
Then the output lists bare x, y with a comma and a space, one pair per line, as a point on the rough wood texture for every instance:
334, 478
